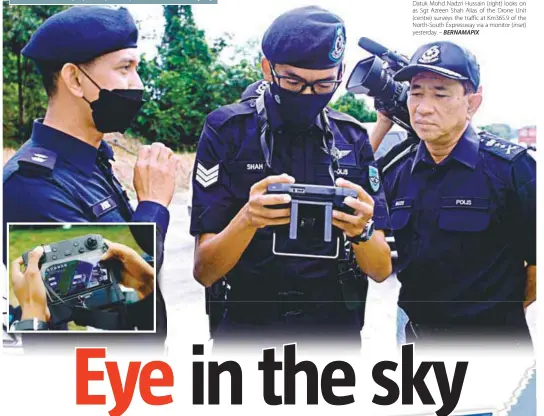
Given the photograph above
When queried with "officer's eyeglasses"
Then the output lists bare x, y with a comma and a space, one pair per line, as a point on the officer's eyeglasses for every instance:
299, 85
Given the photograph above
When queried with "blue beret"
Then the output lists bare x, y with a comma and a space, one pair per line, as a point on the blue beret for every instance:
81, 34
308, 37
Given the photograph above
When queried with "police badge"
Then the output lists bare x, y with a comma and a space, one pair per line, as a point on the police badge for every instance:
374, 178
430, 56
339, 44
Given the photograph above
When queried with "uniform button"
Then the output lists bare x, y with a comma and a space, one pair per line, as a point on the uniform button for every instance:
252, 103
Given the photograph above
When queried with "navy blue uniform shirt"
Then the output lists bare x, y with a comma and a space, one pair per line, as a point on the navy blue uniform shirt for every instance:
55, 177
230, 160
464, 229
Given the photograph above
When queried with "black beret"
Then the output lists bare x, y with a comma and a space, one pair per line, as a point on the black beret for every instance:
308, 37
81, 34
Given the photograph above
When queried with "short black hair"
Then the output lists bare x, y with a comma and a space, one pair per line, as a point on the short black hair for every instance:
468, 87
50, 72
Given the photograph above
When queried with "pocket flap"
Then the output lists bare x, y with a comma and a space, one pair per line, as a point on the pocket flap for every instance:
464, 214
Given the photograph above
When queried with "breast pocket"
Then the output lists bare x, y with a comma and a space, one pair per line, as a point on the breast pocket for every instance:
243, 175
401, 212
464, 214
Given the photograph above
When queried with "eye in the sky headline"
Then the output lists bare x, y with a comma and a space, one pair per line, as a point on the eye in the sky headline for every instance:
139, 375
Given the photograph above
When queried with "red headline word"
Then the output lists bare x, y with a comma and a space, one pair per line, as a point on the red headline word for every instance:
123, 396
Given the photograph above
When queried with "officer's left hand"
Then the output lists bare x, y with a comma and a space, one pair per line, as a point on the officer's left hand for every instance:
353, 225
29, 288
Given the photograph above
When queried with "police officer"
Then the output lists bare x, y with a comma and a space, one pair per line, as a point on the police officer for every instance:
462, 207
87, 58
287, 135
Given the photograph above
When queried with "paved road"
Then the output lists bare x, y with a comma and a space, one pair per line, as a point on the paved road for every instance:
185, 297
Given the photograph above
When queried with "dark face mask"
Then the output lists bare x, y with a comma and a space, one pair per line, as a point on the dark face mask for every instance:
114, 110
299, 111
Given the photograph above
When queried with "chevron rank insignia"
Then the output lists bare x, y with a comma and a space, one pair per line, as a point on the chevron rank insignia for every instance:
206, 177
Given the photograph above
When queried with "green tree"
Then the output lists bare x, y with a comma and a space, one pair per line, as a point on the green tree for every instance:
24, 97
187, 80
356, 108
503, 131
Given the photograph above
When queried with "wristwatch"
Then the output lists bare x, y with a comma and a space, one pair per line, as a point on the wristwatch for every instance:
365, 235
33, 324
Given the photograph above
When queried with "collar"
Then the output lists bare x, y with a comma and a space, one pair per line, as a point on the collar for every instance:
74, 151
273, 113
466, 151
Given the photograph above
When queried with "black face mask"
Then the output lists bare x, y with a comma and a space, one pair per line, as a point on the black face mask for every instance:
114, 110
299, 111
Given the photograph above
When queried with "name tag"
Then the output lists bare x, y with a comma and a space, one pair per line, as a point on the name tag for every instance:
255, 167
463, 202
102, 207
402, 203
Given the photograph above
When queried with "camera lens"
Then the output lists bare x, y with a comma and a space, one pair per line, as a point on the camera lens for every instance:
91, 243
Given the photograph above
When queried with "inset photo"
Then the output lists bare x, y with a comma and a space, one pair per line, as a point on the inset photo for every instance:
81, 278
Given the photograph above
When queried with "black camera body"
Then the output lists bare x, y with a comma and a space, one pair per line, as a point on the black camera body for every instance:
373, 76
73, 274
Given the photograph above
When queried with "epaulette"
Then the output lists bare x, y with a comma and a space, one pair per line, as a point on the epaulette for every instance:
254, 90
37, 157
409, 150
337, 115
30, 160
222, 115
499, 147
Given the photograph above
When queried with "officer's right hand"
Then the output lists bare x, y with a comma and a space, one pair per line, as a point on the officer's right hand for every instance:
155, 174
256, 211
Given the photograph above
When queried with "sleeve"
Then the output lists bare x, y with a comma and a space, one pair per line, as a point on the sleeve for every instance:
213, 204
372, 184
148, 211
524, 182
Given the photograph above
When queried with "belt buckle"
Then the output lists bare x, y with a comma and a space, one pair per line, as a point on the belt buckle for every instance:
289, 308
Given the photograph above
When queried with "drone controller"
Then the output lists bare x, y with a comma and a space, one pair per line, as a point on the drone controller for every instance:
311, 209
73, 273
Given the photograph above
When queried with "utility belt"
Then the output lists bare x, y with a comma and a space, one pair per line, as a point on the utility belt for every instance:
261, 303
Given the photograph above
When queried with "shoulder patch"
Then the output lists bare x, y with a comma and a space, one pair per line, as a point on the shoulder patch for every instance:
338, 116
37, 156
409, 150
499, 147
222, 115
